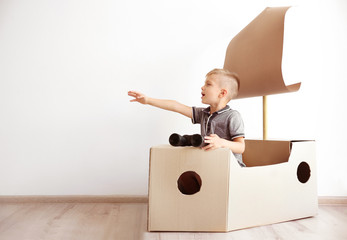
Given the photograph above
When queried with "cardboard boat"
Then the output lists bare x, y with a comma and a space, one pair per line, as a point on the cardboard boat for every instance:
280, 186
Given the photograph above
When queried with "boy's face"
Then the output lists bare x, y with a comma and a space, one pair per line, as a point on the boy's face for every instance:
211, 91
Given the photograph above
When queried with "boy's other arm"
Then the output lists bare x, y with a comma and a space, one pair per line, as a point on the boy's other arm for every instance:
170, 105
237, 145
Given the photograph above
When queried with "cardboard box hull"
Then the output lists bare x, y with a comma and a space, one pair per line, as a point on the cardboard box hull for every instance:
230, 197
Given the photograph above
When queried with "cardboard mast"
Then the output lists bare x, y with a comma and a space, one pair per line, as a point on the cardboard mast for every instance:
255, 54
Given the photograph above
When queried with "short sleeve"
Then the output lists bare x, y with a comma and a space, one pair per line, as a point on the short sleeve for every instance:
236, 126
197, 115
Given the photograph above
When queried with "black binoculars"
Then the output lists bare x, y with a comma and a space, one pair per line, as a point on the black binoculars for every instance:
195, 140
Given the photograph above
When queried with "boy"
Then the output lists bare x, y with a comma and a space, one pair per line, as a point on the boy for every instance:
221, 126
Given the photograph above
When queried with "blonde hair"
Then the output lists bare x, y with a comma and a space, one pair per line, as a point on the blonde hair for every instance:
230, 81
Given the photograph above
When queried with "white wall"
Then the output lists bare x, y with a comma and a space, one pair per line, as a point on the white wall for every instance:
66, 124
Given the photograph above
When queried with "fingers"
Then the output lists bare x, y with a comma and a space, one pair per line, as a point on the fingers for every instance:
138, 97
134, 94
209, 139
209, 147
212, 142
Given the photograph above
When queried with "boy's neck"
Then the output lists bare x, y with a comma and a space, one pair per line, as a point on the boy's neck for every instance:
217, 107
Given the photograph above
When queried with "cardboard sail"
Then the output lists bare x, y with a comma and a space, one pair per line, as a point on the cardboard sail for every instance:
255, 54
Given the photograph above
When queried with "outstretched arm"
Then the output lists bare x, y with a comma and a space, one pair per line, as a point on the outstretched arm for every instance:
170, 105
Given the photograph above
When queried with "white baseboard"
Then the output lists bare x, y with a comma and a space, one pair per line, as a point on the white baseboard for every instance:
331, 200
74, 199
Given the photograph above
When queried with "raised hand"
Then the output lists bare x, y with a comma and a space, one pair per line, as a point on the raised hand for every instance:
138, 97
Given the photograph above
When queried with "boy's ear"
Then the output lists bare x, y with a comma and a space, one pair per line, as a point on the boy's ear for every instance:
223, 92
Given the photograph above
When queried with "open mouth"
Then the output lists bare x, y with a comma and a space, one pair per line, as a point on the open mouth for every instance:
202, 94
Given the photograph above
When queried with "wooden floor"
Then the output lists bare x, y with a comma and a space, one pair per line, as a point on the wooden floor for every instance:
120, 221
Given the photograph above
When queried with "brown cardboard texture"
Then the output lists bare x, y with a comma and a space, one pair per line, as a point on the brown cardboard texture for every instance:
194, 190
255, 54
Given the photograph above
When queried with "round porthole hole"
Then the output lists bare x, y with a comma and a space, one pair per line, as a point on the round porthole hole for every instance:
303, 172
189, 183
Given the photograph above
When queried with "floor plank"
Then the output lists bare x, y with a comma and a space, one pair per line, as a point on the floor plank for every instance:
128, 221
